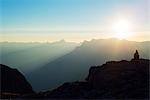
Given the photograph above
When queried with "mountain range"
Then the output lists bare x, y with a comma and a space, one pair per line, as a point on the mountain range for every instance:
26, 57
75, 65
115, 79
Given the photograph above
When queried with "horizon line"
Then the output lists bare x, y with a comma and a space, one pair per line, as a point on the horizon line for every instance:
64, 40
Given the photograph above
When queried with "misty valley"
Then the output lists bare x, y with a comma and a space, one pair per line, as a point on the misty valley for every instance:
74, 49
48, 65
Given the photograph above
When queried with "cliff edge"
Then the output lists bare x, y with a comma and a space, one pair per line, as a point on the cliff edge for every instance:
114, 79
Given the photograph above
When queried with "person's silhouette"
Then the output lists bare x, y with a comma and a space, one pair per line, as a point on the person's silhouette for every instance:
136, 55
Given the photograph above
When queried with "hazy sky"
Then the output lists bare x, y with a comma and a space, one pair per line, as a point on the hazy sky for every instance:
73, 20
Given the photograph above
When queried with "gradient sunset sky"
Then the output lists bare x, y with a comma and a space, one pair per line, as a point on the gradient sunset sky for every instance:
72, 20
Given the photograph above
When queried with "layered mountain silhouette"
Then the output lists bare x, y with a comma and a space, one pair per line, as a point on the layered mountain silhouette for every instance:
35, 54
75, 65
112, 80
13, 83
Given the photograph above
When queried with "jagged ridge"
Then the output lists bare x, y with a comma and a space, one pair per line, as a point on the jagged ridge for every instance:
115, 79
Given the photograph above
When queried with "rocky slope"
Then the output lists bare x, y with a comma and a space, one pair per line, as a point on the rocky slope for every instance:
112, 80
13, 83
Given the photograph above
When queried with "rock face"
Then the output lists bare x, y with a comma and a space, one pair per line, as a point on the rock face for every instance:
13, 82
113, 80
123, 79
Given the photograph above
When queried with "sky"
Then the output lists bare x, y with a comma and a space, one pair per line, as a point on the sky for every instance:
72, 20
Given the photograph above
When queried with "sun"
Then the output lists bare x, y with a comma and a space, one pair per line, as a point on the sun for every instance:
121, 29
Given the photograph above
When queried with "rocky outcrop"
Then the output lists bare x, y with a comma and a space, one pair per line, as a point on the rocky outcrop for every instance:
122, 79
113, 80
13, 83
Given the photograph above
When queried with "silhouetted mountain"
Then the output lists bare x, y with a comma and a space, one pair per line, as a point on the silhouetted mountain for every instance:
29, 56
75, 65
112, 80
13, 83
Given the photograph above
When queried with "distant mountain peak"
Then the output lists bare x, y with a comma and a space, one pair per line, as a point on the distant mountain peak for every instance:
63, 40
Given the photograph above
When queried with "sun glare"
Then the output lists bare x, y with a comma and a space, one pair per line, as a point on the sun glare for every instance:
121, 29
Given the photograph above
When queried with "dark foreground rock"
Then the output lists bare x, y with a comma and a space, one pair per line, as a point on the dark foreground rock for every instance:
113, 80
13, 83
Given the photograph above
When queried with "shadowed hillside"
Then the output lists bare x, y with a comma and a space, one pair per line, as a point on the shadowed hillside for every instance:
75, 65
112, 80
13, 83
